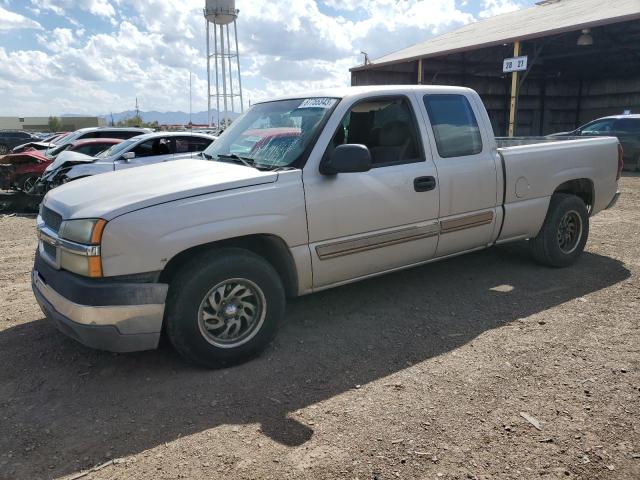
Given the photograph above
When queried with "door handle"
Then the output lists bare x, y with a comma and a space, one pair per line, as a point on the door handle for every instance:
424, 184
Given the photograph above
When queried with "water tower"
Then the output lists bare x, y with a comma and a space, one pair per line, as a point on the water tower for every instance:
220, 14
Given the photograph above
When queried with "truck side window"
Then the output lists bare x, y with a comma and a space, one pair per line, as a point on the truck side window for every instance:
454, 125
386, 126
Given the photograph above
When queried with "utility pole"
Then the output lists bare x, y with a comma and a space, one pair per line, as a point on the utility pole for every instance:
190, 109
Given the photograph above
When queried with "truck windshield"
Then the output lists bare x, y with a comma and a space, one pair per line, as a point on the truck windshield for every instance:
272, 134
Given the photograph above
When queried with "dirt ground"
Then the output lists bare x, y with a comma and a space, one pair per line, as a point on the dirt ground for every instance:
419, 374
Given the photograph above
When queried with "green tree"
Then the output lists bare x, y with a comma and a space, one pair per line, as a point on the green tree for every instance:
55, 125
134, 121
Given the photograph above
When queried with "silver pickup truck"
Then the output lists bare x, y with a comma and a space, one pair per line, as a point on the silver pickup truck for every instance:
302, 194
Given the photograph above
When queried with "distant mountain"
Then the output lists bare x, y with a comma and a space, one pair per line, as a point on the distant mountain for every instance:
163, 118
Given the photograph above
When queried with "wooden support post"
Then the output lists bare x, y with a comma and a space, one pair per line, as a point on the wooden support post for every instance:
578, 104
514, 93
419, 71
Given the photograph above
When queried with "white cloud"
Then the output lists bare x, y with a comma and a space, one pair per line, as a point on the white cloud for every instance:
58, 40
13, 21
152, 46
102, 8
497, 7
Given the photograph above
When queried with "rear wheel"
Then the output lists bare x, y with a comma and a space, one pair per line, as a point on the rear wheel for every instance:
564, 233
224, 307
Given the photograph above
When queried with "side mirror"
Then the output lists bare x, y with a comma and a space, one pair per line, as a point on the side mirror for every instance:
128, 156
349, 158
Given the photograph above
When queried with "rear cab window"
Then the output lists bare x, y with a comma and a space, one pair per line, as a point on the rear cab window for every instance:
454, 125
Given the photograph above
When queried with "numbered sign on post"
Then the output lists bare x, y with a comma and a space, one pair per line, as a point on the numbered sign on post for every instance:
516, 64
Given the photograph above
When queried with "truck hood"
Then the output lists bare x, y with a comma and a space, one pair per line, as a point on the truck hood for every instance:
112, 194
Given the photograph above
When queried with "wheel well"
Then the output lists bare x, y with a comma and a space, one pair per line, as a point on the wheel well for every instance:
271, 248
582, 188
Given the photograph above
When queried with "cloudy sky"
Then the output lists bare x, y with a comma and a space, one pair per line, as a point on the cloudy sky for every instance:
96, 56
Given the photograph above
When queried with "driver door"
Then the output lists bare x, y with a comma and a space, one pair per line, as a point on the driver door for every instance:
365, 223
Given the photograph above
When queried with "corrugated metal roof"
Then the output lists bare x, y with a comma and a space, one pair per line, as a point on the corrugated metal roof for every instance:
543, 19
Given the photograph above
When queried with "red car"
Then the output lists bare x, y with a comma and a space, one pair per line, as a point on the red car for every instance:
264, 143
28, 166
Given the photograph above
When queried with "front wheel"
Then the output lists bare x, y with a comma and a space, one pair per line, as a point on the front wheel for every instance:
564, 233
224, 307
29, 183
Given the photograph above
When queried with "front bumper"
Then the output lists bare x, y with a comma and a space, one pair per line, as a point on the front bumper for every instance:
117, 316
613, 201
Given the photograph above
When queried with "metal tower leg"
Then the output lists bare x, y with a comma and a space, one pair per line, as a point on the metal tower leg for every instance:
215, 41
230, 71
208, 77
235, 31
224, 74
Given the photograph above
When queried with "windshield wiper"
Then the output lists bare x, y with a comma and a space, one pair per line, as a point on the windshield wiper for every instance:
246, 161
206, 155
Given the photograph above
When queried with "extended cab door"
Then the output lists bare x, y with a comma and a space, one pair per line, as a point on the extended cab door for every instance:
465, 157
365, 223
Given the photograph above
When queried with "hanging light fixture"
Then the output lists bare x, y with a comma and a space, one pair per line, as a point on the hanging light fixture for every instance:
585, 39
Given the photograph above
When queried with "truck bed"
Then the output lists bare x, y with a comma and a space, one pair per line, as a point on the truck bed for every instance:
535, 168
502, 142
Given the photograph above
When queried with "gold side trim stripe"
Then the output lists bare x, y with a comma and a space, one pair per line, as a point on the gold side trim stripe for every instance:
469, 221
357, 245
362, 244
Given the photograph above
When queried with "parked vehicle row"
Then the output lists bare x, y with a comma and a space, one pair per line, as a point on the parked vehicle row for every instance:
28, 160
301, 194
38, 166
134, 152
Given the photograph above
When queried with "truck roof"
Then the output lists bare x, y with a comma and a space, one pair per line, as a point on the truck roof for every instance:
346, 92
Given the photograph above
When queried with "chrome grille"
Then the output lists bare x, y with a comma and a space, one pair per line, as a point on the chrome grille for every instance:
51, 219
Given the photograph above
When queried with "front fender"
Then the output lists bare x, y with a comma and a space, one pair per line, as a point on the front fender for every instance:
146, 240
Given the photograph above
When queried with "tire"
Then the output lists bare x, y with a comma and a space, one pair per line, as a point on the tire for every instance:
202, 308
28, 183
564, 234
3, 149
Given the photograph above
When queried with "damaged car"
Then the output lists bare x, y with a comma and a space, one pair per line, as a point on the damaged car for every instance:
46, 143
28, 166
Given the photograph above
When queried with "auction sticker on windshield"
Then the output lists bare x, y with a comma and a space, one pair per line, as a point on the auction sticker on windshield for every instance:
319, 102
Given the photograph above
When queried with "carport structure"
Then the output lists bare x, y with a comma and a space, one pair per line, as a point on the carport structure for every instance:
583, 63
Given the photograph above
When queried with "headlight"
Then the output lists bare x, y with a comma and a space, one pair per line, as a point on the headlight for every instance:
83, 231
87, 260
